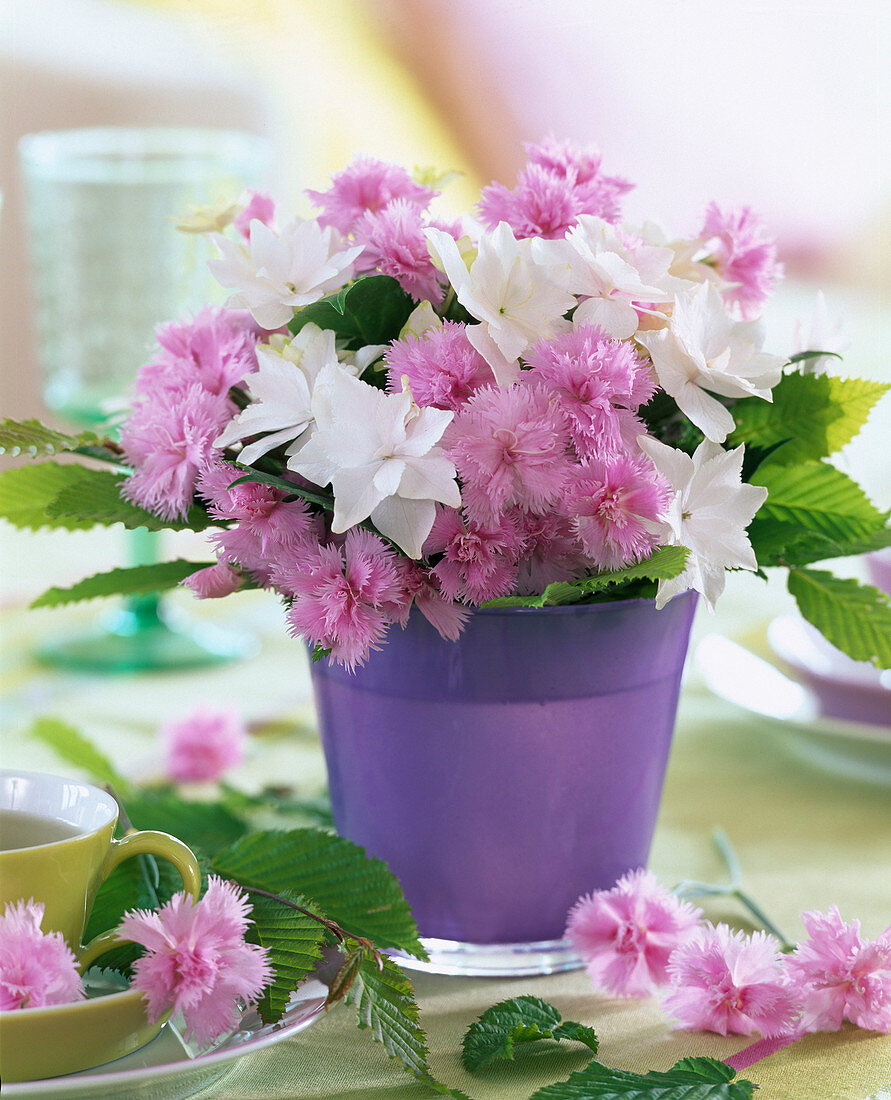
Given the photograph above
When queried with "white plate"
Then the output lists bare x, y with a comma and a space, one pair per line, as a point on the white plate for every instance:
165, 1070
739, 676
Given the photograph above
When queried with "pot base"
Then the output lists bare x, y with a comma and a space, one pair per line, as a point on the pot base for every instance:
493, 960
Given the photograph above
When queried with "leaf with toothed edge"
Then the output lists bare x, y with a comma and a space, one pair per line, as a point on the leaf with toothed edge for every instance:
141, 580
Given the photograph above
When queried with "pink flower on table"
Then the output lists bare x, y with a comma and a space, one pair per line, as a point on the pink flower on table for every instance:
510, 447
203, 746
597, 382
618, 502
259, 207
626, 935
36, 968
477, 563
197, 962
214, 582
840, 976
365, 185
344, 596
395, 245
731, 983
442, 366
168, 439
742, 256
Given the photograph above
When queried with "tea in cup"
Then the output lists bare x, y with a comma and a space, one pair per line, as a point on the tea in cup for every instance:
57, 846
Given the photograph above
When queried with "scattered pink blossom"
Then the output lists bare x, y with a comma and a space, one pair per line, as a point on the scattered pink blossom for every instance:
215, 349
395, 245
259, 207
596, 381
742, 256
840, 976
728, 982
203, 746
618, 502
168, 440
366, 185
268, 527
36, 968
626, 935
442, 366
345, 596
477, 564
510, 447
214, 582
197, 962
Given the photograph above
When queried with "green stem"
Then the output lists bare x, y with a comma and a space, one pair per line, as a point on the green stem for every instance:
726, 851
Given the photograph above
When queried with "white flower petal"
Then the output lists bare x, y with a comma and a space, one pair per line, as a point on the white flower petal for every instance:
406, 522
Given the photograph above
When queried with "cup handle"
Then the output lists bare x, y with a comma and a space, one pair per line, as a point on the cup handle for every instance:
147, 842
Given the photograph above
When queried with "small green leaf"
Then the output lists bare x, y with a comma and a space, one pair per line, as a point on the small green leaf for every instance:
26, 493
814, 496
817, 414
30, 437
343, 980
370, 311
137, 581
70, 745
361, 894
855, 618
690, 1079
324, 500
96, 496
519, 1020
293, 941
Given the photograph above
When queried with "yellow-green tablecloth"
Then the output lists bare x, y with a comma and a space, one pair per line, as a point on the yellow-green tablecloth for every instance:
807, 837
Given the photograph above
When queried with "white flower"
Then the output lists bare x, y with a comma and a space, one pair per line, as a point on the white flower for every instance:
277, 273
282, 389
704, 349
380, 454
824, 333
606, 274
709, 514
517, 300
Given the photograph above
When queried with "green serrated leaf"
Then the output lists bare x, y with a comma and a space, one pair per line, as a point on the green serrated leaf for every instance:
523, 1019
370, 311
137, 581
814, 496
786, 544
854, 617
30, 437
70, 745
359, 893
206, 826
96, 496
294, 943
691, 1079
817, 414
27, 491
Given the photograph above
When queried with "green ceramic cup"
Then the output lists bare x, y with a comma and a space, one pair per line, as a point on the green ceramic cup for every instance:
57, 846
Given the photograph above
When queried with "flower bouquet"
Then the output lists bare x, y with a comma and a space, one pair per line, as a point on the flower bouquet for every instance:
543, 407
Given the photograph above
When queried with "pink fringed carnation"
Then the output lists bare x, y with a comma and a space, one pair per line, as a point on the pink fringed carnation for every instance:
617, 502
423, 588
259, 207
214, 582
197, 961
395, 245
626, 935
345, 597
742, 256
840, 976
551, 551
442, 367
510, 447
268, 528
215, 349
36, 968
728, 982
366, 185
477, 564
169, 441
203, 746
596, 381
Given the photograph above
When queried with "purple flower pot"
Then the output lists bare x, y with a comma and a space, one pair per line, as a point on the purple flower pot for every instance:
503, 775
